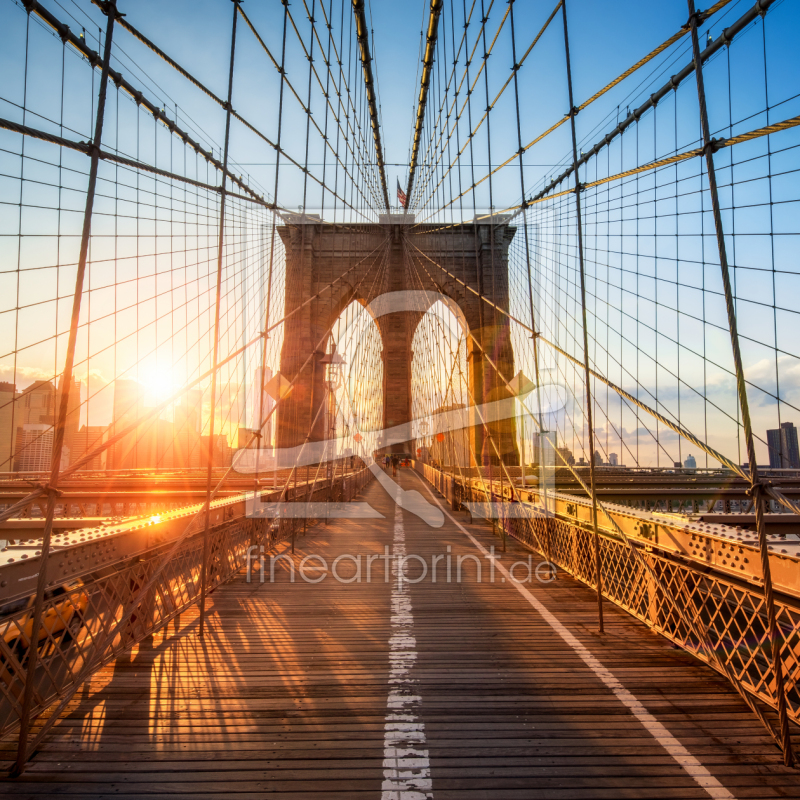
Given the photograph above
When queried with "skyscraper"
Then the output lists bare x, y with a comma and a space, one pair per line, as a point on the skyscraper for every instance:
189, 414
35, 448
222, 451
128, 404
127, 400
24, 419
8, 395
566, 455
73, 420
33, 420
188, 418
784, 452
86, 439
262, 403
37, 404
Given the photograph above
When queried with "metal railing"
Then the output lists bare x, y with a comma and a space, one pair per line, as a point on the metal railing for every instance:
81, 631
669, 595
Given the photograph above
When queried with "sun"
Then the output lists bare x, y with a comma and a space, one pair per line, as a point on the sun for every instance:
158, 384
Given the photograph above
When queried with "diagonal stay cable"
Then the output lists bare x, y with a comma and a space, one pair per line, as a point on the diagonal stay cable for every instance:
306, 110
673, 426
695, 624
158, 114
718, 144
724, 39
514, 69
307, 55
90, 665
153, 412
223, 104
450, 79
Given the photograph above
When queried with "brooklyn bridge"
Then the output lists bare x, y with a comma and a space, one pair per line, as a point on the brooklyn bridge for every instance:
399, 400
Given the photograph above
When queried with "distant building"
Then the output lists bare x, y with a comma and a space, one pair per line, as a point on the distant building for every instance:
541, 447
244, 438
153, 445
128, 399
8, 396
566, 454
34, 448
784, 452
222, 450
188, 418
88, 438
262, 404
598, 459
451, 447
73, 420
128, 402
35, 405
188, 452
33, 420
690, 462
613, 460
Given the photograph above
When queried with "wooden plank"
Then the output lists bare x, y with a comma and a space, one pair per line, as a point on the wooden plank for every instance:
287, 695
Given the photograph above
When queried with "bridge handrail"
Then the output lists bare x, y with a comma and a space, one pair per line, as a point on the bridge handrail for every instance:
79, 613
731, 610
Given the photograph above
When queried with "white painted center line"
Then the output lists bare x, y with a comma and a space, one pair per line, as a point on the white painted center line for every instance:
678, 752
406, 765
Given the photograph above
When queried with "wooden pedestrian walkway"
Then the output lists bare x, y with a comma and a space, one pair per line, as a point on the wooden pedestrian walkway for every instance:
390, 689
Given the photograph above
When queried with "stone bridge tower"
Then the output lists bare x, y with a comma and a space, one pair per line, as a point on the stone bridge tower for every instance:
387, 257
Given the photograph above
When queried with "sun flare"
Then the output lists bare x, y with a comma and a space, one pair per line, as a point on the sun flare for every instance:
158, 383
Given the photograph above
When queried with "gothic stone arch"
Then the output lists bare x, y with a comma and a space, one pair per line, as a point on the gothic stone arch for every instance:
318, 253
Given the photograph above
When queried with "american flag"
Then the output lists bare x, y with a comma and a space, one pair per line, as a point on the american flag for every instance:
401, 195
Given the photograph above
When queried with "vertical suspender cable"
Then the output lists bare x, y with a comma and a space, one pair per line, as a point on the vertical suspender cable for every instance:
110, 9
534, 335
215, 358
303, 225
491, 230
774, 634
265, 341
587, 376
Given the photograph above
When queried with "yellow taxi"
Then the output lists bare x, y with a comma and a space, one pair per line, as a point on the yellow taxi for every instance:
62, 618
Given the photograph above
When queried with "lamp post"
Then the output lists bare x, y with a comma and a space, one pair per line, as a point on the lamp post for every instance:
333, 363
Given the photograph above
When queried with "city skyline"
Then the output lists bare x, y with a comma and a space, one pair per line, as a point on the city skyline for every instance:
655, 322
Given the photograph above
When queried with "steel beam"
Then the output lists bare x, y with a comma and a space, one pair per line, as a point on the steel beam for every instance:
427, 68
215, 345
366, 62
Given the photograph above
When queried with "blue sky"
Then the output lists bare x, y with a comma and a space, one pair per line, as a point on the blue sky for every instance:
606, 38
